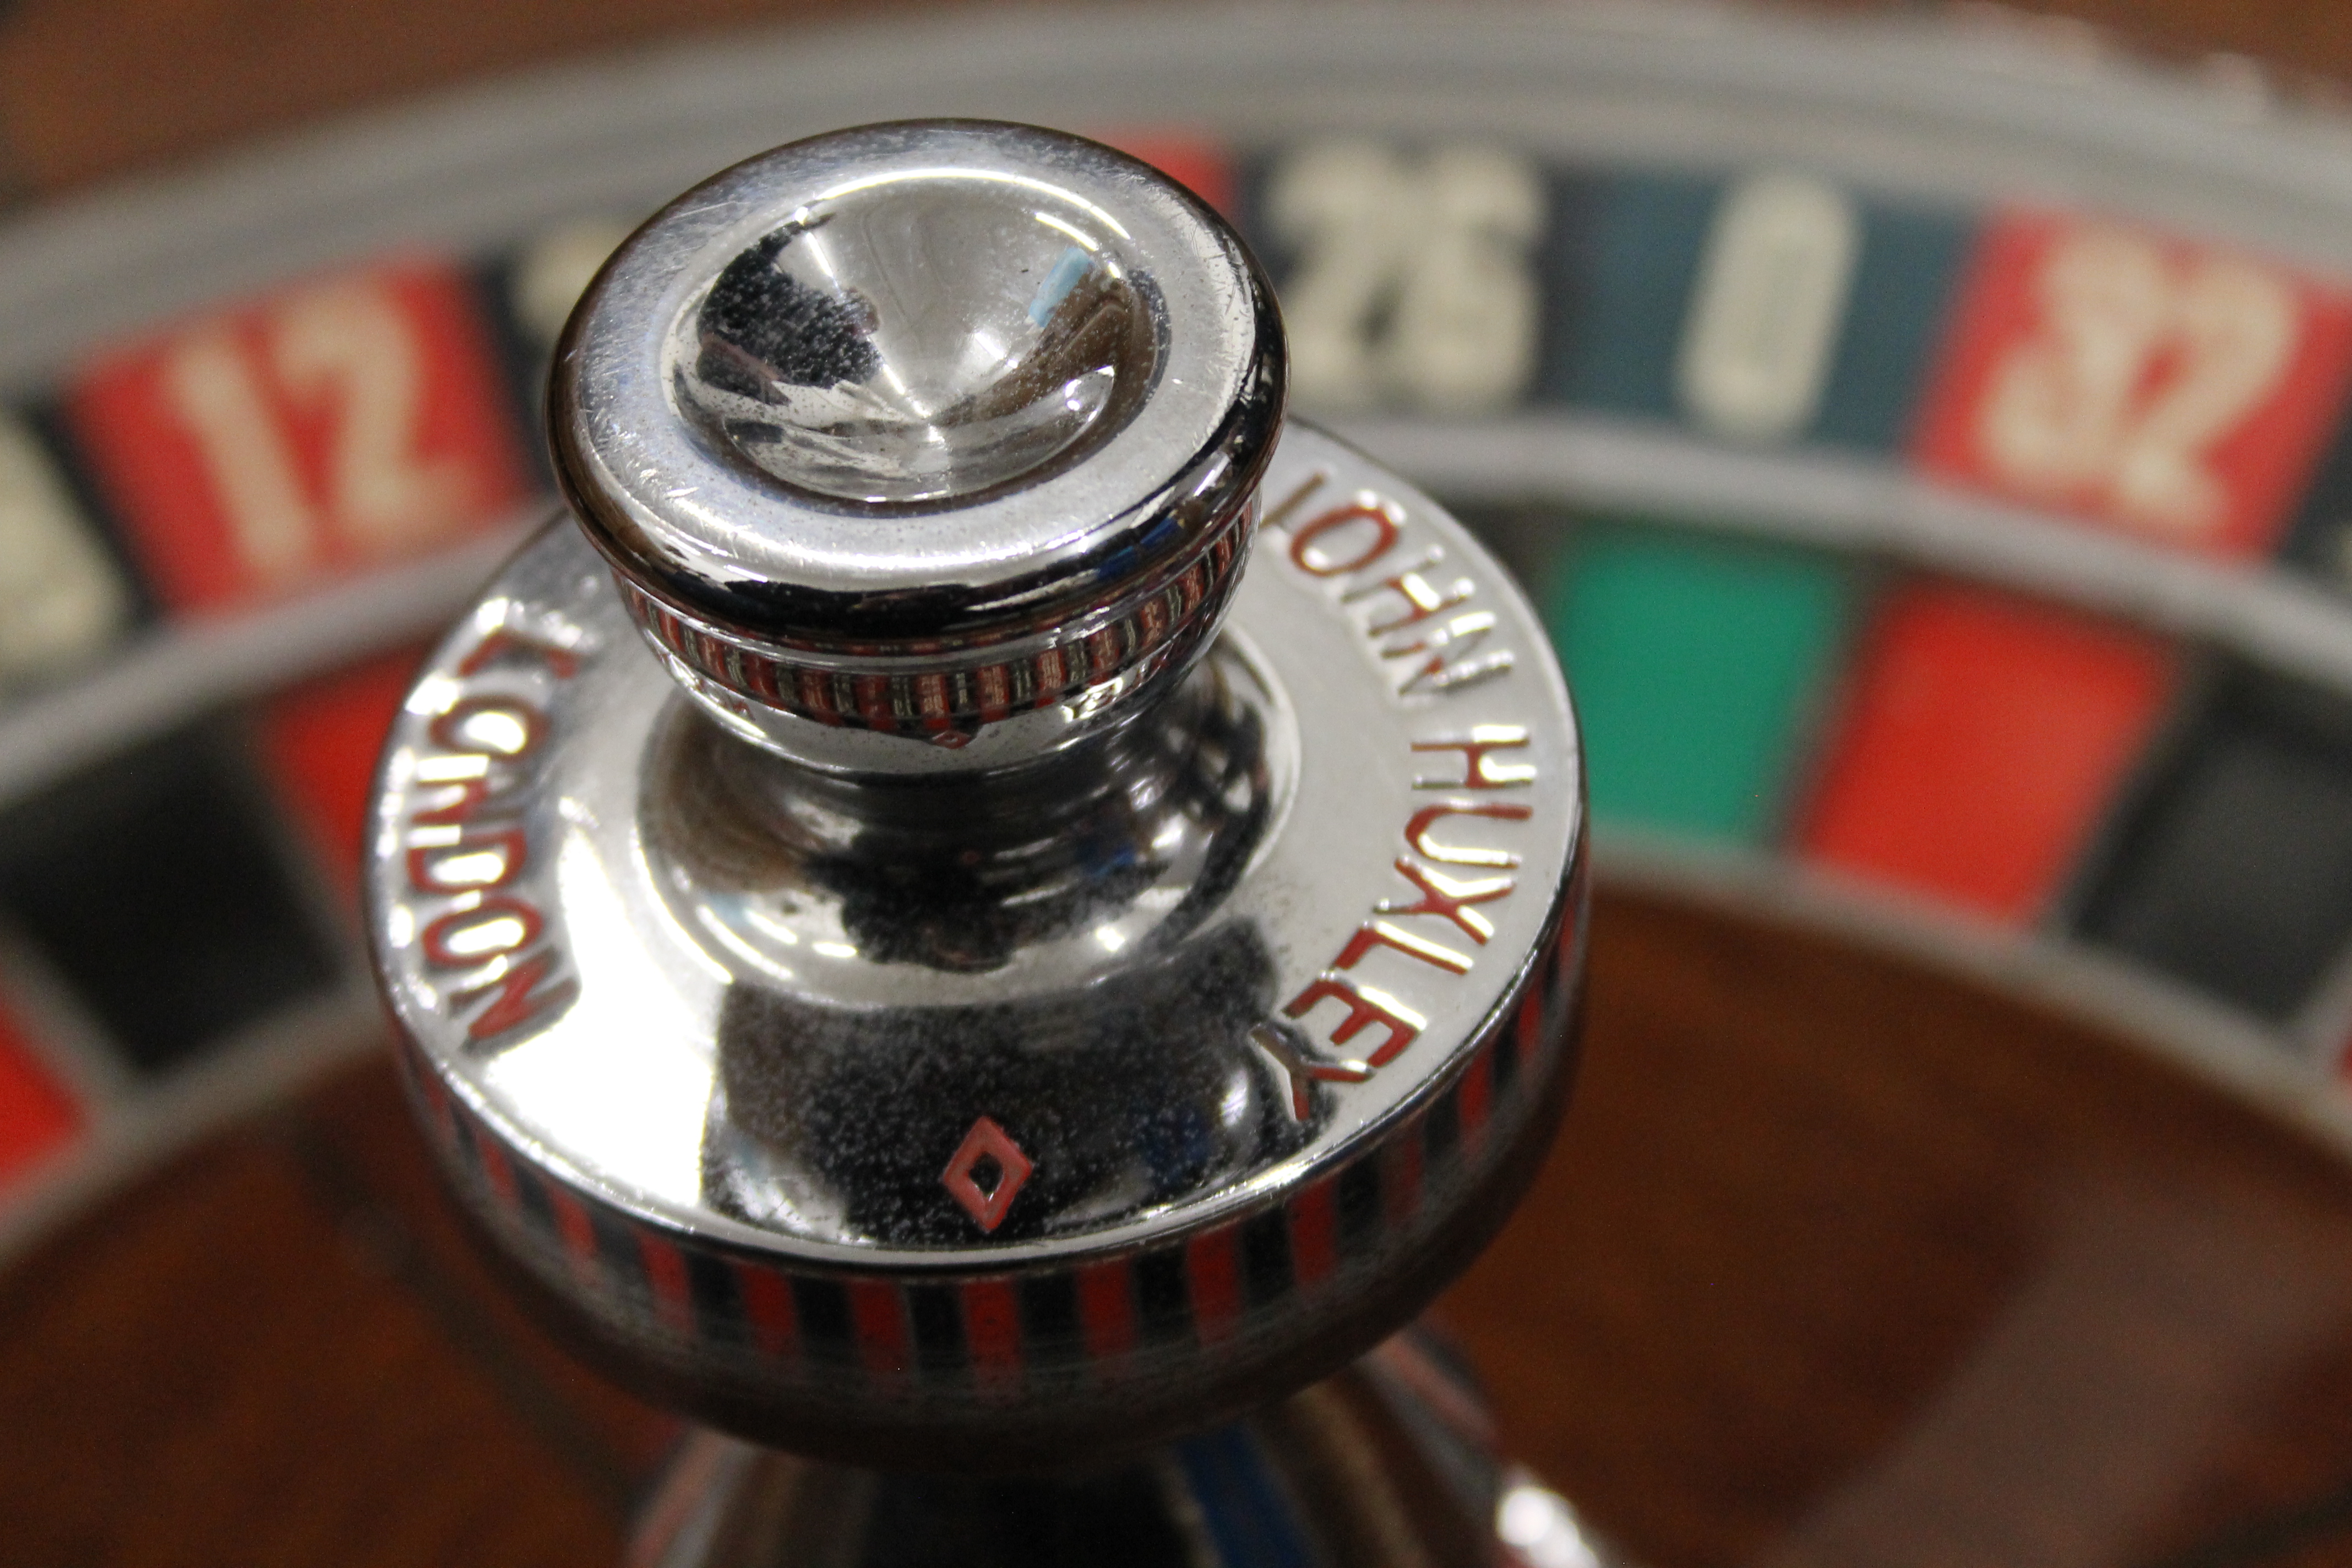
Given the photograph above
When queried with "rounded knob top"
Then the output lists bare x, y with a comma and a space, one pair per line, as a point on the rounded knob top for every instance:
917, 436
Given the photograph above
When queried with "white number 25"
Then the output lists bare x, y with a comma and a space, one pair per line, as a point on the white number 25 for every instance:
1413, 283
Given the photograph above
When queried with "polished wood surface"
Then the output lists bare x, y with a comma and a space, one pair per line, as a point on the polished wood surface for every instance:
1840, 1261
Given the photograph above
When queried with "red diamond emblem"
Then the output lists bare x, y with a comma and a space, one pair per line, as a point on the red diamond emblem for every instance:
987, 1149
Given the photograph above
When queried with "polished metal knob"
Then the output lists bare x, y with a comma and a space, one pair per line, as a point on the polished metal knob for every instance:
923, 447
1059, 977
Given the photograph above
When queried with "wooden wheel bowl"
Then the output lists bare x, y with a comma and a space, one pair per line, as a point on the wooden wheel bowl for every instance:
1840, 1259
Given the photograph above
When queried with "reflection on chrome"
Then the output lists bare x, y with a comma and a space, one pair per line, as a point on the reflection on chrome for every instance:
1537, 1525
921, 338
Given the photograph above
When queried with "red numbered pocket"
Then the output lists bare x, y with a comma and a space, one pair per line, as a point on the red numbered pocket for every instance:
350, 421
321, 739
1981, 738
38, 1117
2177, 391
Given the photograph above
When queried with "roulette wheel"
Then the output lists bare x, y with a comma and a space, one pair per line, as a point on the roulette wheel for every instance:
1928, 455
